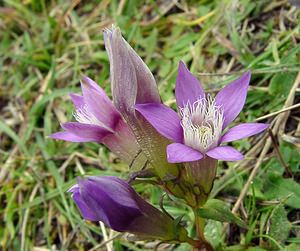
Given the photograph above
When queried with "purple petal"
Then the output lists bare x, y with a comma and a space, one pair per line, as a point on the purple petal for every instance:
77, 100
132, 81
232, 98
99, 104
178, 153
85, 210
226, 153
147, 91
122, 72
116, 188
188, 88
112, 201
92, 132
242, 131
93, 85
128, 90
163, 119
68, 136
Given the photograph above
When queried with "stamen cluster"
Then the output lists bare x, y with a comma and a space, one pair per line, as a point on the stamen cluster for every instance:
85, 116
202, 123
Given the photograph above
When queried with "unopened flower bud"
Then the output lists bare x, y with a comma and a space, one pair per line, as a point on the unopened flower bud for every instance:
115, 203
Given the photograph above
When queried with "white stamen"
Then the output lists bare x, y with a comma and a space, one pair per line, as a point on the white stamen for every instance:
83, 115
202, 123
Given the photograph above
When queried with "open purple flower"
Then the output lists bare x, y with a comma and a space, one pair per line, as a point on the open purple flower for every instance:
198, 129
115, 203
99, 121
95, 114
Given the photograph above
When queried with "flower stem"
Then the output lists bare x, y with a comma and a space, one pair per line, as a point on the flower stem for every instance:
199, 222
202, 244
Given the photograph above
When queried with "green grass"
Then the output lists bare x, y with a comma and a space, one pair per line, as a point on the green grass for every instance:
45, 47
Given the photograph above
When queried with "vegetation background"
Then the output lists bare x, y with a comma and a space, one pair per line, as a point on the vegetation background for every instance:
46, 46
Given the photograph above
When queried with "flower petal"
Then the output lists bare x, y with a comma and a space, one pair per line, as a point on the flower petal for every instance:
122, 72
77, 100
232, 98
93, 85
117, 189
92, 132
188, 88
226, 153
163, 119
85, 211
113, 202
242, 131
68, 136
99, 104
132, 81
147, 91
178, 153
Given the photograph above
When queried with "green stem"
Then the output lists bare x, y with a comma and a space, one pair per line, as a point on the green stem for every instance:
200, 223
202, 244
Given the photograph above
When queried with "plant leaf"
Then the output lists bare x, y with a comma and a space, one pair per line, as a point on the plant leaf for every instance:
279, 188
218, 210
280, 225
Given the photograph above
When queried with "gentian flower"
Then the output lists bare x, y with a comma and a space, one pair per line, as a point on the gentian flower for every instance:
198, 130
99, 121
133, 83
115, 203
131, 80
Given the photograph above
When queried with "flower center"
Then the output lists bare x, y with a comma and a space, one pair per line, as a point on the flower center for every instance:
84, 116
202, 123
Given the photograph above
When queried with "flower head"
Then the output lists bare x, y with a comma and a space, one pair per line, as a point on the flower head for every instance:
95, 114
115, 203
198, 129
98, 120
133, 83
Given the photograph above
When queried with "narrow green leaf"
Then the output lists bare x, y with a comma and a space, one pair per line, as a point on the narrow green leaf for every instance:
218, 210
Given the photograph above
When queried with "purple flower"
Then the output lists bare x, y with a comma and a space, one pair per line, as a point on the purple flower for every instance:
133, 83
115, 203
95, 114
198, 129
131, 80
98, 120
